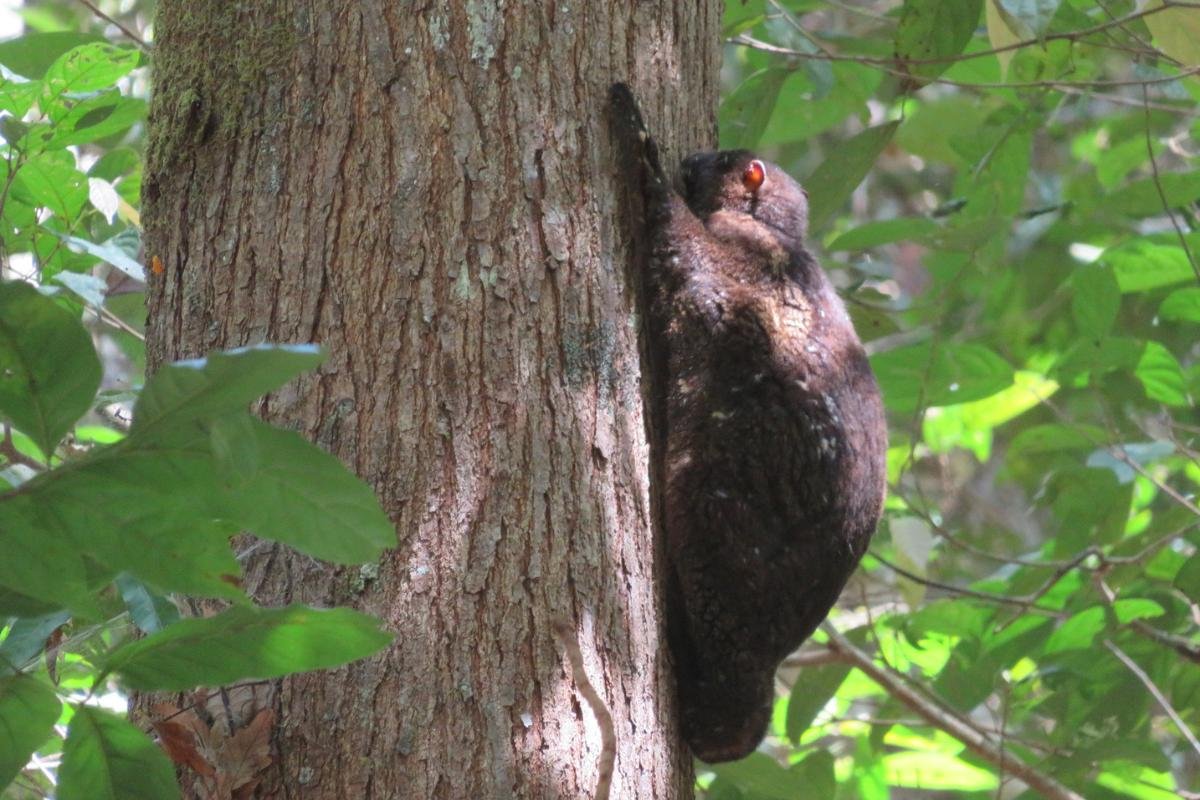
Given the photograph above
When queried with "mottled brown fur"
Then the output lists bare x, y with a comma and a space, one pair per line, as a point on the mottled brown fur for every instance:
775, 438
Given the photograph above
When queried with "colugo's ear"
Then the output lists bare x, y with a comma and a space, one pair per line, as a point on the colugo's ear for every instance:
754, 175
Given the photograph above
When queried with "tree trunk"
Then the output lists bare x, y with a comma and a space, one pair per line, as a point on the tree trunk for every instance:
430, 191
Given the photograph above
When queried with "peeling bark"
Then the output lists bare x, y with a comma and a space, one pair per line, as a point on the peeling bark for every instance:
429, 190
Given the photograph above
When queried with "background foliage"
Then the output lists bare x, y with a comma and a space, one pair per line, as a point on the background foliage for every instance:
114, 495
1006, 192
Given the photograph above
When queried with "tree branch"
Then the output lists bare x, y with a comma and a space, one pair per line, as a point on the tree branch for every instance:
975, 740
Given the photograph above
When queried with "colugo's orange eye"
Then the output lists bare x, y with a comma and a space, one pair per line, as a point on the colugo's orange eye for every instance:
754, 175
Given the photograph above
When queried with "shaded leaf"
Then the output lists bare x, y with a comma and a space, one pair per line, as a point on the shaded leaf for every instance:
49, 371
1182, 305
26, 638
1096, 300
148, 610
28, 711
950, 374
744, 114
32, 54
933, 29
106, 758
810, 694
832, 182
873, 234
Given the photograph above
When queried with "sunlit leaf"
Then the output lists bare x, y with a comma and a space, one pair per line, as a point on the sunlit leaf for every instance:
246, 643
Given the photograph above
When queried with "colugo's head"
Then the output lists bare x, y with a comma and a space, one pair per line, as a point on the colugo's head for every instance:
736, 180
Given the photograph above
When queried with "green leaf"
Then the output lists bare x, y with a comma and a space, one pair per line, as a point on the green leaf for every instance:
1150, 262
50, 180
934, 29
89, 67
744, 114
831, 183
246, 643
950, 374
761, 775
741, 16
26, 638
304, 497
97, 118
816, 771
46, 568
32, 54
1176, 31
1077, 632
28, 711
810, 694
1181, 305
1161, 375
1142, 198
1136, 608
222, 383
931, 771
873, 234
106, 758
150, 611
1096, 300
49, 372
1187, 580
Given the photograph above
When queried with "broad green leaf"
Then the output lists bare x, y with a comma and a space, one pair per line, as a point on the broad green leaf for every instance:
1142, 198
744, 115
49, 372
817, 773
1150, 262
1077, 632
46, 568
1161, 375
1096, 300
1187, 580
97, 118
304, 497
761, 776
1136, 608
150, 611
107, 758
934, 29
832, 182
26, 638
88, 68
50, 180
873, 234
222, 383
1176, 31
949, 374
740, 16
931, 771
810, 694
28, 711
246, 643
1181, 305
32, 54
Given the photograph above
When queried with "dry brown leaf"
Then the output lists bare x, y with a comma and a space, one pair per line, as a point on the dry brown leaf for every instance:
245, 754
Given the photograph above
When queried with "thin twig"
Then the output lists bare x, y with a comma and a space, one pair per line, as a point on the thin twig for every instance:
1026, 604
882, 65
1163, 702
139, 41
1162, 195
974, 739
14, 456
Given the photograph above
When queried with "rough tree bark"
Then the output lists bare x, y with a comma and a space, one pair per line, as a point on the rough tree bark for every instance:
429, 190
